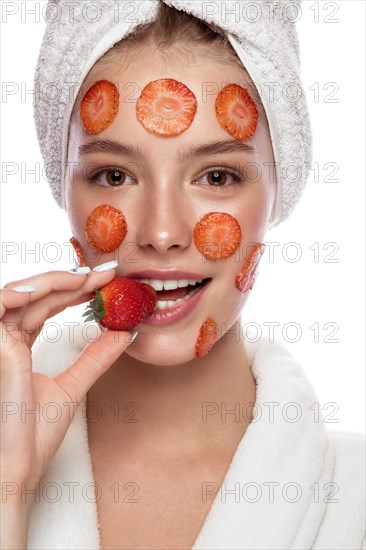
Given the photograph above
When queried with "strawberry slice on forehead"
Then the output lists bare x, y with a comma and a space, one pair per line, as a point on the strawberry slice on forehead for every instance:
166, 107
99, 106
236, 112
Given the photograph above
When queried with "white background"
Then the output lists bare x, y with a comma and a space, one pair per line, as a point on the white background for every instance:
325, 291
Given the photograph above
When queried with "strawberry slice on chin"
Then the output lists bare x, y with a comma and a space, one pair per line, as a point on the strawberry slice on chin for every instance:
208, 335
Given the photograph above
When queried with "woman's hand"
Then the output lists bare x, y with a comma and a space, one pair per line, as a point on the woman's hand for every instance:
29, 441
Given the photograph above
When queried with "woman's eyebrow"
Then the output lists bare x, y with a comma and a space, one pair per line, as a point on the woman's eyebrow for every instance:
108, 146
216, 147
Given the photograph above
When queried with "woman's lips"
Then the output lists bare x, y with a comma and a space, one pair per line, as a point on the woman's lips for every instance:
175, 313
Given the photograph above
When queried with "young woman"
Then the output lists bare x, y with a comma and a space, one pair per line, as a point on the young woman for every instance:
169, 164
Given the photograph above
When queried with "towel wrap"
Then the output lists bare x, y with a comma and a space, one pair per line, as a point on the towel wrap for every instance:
262, 32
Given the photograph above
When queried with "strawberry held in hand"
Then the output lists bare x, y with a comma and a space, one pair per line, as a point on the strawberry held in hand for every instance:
121, 304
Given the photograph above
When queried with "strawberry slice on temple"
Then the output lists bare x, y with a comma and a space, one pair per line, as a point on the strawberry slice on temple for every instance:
166, 107
236, 112
99, 106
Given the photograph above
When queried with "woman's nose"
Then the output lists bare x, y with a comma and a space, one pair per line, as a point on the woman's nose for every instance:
164, 221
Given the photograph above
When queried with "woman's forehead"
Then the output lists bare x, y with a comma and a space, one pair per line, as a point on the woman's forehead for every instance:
201, 75
133, 70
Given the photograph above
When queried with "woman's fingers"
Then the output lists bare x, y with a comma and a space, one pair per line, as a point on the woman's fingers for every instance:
94, 360
10, 299
54, 292
45, 283
50, 313
28, 444
38, 312
41, 285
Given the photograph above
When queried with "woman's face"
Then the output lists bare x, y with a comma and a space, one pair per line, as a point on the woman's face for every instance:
166, 190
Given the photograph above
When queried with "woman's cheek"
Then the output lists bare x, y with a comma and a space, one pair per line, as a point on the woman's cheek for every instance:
105, 230
217, 235
207, 337
79, 251
245, 279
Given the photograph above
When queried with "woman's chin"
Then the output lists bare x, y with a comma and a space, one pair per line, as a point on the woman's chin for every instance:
165, 350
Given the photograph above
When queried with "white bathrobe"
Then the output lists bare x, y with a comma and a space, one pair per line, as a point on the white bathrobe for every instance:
292, 484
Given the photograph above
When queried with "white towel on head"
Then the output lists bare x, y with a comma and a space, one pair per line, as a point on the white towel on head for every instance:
262, 32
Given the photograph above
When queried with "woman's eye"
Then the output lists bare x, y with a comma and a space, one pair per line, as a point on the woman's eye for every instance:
112, 178
220, 178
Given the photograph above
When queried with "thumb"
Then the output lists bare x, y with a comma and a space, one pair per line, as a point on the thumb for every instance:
93, 361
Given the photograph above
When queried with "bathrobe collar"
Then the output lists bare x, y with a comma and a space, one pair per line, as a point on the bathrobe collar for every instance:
275, 496
273, 493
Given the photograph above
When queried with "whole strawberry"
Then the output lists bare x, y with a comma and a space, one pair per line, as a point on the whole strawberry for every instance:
121, 304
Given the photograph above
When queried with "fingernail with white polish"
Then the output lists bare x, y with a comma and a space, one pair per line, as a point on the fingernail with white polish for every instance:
134, 335
24, 289
80, 270
106, 267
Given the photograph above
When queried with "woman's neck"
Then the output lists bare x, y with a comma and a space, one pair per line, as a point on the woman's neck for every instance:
174, 411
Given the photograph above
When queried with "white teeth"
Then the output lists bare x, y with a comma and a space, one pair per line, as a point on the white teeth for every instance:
169, 285
167, 303
164, 304
158, 285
